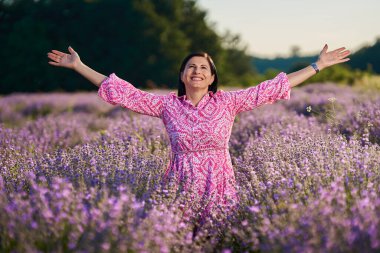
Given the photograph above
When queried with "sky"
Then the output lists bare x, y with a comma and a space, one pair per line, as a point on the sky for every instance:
269, 28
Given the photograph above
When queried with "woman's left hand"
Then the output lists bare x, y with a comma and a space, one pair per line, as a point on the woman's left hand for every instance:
336, 56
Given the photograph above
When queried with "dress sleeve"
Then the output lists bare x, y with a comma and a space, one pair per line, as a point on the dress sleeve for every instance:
117, 91
266, 92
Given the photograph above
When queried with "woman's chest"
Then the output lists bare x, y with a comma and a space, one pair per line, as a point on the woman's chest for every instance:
211, 121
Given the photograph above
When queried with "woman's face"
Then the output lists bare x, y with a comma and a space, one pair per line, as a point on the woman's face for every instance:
197, 74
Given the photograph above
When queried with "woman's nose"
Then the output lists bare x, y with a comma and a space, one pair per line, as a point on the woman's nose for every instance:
197, 70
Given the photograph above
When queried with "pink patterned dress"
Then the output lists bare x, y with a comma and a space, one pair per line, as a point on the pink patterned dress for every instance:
200, 162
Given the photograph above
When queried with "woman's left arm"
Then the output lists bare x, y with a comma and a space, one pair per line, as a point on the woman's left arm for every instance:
326, 59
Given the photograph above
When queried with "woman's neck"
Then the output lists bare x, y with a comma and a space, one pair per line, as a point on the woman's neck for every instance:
196, 96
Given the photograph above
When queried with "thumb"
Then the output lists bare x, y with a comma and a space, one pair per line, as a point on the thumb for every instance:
324, 50
71, 50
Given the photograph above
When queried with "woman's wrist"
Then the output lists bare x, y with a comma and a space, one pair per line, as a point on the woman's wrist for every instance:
315, 67
320, 65
78, 66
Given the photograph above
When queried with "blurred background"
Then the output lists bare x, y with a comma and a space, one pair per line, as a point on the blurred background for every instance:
144, 41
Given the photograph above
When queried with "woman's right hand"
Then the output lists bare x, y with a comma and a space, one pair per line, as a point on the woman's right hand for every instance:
61, 59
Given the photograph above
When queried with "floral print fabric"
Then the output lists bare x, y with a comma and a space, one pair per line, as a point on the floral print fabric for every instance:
200, 162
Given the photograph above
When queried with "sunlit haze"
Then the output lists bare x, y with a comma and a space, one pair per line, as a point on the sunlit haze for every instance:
270, 28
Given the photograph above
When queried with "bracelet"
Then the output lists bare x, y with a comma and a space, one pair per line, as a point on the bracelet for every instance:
315, 67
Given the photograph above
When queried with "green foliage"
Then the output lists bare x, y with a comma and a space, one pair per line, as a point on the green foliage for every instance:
367, 58
342, 74
368, 82
141, 41
362, 66
235, 62
282, 64
338, 73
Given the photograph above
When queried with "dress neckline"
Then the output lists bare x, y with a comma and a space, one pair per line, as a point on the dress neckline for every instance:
203, 100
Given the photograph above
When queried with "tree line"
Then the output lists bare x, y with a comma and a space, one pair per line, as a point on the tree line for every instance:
363, 63
143, 41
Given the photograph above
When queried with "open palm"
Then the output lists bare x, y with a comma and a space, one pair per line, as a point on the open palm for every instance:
336, 56
61, 59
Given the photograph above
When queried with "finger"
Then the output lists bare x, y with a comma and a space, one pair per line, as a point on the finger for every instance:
58, 52
344, 60
71, 50
324, 49
54, 57
343, 54
53, 63
339, 50
346, 53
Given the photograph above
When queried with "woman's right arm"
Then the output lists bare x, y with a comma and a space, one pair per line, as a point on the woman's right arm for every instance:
112, 89
72, 61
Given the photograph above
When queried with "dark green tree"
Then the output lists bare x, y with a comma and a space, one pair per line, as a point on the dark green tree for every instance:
142, 41
367, 58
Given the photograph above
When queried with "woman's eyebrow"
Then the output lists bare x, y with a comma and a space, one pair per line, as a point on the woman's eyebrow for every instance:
202, 65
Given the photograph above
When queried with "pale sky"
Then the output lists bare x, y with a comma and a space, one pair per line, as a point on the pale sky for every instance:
271, 27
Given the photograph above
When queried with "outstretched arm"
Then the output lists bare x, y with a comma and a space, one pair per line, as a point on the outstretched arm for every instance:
326, 59
112, 89
72, 61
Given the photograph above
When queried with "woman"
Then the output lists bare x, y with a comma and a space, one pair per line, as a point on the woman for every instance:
199, 119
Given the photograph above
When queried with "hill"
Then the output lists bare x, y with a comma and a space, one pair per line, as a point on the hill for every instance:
280, 63
365, 59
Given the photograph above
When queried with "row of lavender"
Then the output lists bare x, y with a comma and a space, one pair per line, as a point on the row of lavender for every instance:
78, 175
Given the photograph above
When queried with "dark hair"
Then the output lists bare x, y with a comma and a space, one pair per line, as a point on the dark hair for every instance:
181, 86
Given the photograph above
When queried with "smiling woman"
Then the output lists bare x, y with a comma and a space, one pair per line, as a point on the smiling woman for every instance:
198, 121
197, 75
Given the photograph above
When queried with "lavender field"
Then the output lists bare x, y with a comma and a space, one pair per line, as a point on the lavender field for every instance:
78, 175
